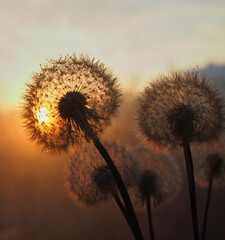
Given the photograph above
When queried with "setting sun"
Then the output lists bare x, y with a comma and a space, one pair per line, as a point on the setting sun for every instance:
42, 115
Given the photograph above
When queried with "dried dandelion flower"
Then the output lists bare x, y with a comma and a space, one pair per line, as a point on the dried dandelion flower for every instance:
160, 179
210, 170
68, 94
181, 107
210, 165
89, 179
103, 179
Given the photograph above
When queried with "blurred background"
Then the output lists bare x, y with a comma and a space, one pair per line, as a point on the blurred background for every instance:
137, 39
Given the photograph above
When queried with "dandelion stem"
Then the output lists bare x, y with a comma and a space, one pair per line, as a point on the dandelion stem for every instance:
123, 210
150, 222
191, 183
207, 206
122, 188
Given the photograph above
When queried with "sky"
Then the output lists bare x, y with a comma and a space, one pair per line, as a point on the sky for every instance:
137, 39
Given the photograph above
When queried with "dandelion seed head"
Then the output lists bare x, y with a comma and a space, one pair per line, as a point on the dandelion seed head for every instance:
180, 120
149, 187
89, 179
210, 162
215, 163
74, 91
160, 178
103, 179
181, 106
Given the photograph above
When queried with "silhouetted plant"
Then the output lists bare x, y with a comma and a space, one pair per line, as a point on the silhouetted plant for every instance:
210, 172
179, 109
86, 172
90, 180
72, 99
158, 182
65, 96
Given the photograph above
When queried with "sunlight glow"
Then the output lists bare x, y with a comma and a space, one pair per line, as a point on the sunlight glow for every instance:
42, 115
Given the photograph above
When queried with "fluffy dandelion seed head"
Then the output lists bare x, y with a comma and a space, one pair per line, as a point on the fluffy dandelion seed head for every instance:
104, 180
160, 178
180, 119
90, 181
149, 186
178, 107
72, 105
215, 164
74, 91
210, 163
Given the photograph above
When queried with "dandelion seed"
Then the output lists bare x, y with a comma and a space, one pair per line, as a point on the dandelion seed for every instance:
66, 94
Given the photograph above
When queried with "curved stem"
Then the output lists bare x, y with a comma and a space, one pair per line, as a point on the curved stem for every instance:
191, 183
90, 133
123, 210
150, 222
207, 206
122, 188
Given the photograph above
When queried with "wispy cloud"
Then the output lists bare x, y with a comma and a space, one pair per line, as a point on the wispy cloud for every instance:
133, 37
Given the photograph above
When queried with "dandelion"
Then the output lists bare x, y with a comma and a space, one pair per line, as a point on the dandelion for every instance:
90, 180
178, 110
80, 96
158, 182
210, 172
181, 107
63, 96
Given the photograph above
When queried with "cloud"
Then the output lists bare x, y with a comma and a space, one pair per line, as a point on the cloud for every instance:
131, 37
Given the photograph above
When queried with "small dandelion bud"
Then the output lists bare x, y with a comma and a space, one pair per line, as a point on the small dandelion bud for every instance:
66, 96
181, 107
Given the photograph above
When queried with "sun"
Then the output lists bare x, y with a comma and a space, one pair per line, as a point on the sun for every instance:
42, 115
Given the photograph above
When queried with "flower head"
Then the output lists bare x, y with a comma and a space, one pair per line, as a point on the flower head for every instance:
88, 177
67, 95
181, 107
103, 179
210, 163
159, 180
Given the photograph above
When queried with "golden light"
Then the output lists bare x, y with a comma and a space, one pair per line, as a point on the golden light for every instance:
42, 115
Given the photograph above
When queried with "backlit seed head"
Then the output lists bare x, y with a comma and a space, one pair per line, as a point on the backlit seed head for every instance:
89, 179
149, 187
159, 180
103, 179
181, 107
210, 162
68, 94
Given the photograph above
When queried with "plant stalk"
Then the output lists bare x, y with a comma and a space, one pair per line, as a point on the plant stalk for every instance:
123, 210
91, 133
191, 184
150, 222
122, 188
207, 206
